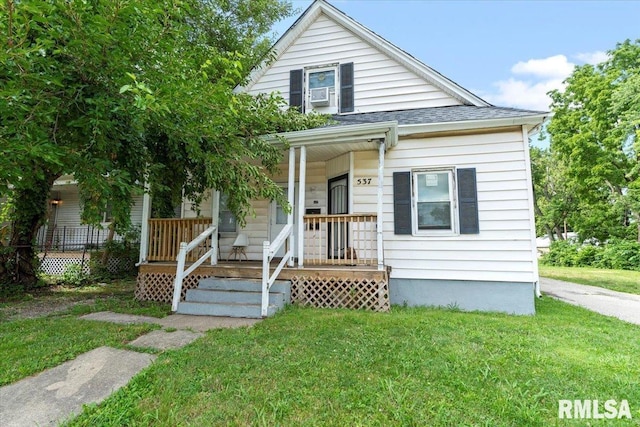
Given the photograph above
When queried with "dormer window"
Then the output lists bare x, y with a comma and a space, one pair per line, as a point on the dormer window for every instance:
325, 89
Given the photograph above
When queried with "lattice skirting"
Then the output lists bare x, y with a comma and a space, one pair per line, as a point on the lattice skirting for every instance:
57, 265
159, 286
340, 293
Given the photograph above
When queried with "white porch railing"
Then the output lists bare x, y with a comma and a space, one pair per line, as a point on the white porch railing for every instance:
268, 252
185, 248
341, 239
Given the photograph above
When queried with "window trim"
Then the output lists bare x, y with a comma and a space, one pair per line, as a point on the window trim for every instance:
331, 109
453, 198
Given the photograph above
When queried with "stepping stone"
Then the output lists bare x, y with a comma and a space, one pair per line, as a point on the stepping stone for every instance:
58, 393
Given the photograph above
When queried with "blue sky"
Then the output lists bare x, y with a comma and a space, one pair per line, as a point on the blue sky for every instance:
508, 52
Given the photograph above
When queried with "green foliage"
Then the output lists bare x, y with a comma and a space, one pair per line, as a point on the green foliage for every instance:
74, 275
122, 92
595, 145
616, 254
118, 258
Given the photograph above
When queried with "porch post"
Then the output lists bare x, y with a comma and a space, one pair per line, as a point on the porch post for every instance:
144, 227
215, 211
381, 150
301, 204
291, 194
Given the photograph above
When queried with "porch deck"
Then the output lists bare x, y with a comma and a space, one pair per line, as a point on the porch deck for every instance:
335, 286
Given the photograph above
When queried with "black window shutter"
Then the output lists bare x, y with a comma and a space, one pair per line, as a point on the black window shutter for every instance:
295, 88
468, 201
402, 202
346, 88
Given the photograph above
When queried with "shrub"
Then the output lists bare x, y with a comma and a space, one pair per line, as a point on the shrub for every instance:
74, 275
620, 255
615, 254
562, 253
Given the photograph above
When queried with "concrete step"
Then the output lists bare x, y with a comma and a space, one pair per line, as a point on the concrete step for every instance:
235, 297
226, 310
247, 285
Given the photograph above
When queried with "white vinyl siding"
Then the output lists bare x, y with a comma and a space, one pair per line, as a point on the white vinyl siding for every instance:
502, 251
381, 83
69, 210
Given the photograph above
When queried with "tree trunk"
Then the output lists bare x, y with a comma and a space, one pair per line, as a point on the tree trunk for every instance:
18, 263
559, 232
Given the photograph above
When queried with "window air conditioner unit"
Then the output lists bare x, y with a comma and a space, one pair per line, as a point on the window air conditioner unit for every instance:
320, 97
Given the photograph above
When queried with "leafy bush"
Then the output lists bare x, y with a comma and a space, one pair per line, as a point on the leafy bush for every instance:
562, 253
620, 255
615, 254
74, 275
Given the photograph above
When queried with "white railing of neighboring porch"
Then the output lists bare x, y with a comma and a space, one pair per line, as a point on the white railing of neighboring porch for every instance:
269, 250
185, 248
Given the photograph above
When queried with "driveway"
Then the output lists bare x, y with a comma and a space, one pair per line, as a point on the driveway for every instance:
610, 303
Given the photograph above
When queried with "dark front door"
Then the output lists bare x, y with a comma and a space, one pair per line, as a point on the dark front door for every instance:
338, 204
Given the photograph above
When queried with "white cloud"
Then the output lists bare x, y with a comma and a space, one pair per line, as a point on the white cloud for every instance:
592, 58
554, 67
529, 95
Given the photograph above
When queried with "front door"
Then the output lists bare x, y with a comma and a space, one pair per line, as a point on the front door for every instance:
338, 203
278, 219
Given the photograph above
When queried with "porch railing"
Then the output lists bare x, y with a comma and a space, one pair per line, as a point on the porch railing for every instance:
269, 251
342, 239
166, 234
185, 249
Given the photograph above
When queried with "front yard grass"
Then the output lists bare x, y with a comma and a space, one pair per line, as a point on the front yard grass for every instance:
616, 280
431, 367
42, 330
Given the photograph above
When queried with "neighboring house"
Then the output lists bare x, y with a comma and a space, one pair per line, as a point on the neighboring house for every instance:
418, 177
64, 240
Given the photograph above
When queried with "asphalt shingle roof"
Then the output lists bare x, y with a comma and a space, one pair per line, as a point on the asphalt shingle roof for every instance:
454, 113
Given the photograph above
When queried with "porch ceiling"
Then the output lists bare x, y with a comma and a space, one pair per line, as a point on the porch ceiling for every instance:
329, 142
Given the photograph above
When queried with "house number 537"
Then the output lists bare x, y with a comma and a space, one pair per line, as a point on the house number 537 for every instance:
363, 181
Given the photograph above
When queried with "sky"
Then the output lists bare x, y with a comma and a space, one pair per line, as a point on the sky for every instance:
510, 53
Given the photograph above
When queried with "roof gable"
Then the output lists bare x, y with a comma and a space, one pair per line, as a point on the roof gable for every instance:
319, 9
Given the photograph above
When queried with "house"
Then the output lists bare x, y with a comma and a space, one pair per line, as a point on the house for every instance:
64, 240
420, 191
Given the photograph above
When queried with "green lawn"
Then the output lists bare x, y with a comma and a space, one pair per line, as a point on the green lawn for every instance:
35, 334
420, 367
616, 280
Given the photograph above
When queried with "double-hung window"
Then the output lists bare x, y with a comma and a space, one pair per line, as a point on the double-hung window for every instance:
434, 201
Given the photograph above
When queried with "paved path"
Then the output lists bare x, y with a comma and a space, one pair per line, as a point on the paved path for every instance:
610, 303
57, 394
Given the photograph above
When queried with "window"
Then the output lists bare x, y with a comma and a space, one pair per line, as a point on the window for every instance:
327, 88
226, 219
321, 91
434, 202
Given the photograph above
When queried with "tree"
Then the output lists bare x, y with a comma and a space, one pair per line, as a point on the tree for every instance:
119, 92
594, 132
553, 199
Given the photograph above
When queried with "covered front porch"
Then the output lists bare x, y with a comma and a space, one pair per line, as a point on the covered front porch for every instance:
326, 244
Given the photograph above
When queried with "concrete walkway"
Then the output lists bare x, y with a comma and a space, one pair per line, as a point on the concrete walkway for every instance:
58, 394
610, 303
